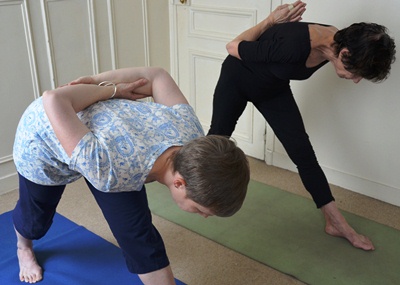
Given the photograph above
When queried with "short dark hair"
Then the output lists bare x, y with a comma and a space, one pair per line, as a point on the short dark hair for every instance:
216, 172
371, 50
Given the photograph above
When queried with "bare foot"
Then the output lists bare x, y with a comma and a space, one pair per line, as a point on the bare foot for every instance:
337, 226
29, 269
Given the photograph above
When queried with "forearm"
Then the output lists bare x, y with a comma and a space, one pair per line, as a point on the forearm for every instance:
78, 96
127, 75
282, 14
156, 82
163, 276
160, 84
61, 106
251, 34
153, 75
255, 32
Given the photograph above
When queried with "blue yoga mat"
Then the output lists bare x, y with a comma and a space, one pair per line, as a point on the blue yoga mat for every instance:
69, 254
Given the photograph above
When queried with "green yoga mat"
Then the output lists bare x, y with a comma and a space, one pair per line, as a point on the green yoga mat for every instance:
286, 232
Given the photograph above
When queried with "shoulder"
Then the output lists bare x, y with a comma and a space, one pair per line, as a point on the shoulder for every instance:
288, 28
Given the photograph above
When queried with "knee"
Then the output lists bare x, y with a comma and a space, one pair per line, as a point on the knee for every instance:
28, 227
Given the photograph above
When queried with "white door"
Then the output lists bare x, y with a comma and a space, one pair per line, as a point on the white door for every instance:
200, 30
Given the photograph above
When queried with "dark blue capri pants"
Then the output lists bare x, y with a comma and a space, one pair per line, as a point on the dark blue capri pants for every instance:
234, 89
127, 214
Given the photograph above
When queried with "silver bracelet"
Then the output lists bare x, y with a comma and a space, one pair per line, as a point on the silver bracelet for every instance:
109, 83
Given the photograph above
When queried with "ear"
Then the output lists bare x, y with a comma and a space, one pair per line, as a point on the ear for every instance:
343, 51
179, 182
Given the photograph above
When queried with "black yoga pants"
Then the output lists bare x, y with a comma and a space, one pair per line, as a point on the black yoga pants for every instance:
280, 110
127, 214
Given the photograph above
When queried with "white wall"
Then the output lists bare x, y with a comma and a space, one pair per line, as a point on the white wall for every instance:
47, 43
355, 129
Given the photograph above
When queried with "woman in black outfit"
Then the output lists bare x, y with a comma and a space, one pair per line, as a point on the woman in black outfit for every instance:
260, 65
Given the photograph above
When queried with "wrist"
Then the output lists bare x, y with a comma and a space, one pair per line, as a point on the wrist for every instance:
269, 22
109, 84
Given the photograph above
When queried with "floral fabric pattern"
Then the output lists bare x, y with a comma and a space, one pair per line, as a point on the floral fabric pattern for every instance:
125, 139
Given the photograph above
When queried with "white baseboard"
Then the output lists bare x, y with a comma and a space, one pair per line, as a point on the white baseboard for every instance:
8, 183
348, 181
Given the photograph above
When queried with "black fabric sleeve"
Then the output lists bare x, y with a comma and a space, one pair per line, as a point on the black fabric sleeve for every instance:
256, 51
278, 51
283, 43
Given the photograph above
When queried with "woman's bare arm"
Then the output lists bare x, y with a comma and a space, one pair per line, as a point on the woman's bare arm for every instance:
281, 14
62, 104
160, 85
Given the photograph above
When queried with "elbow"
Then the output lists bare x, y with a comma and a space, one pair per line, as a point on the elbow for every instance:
229, 47
50, 99
158, 71
232, 48
47, 96
47, 93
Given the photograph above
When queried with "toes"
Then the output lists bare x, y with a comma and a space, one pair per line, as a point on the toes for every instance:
31, 278
363, 242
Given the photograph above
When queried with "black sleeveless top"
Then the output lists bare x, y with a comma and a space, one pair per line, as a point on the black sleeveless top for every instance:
280, 54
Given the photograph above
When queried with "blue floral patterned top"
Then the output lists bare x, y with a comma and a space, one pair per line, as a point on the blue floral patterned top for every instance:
125, 139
